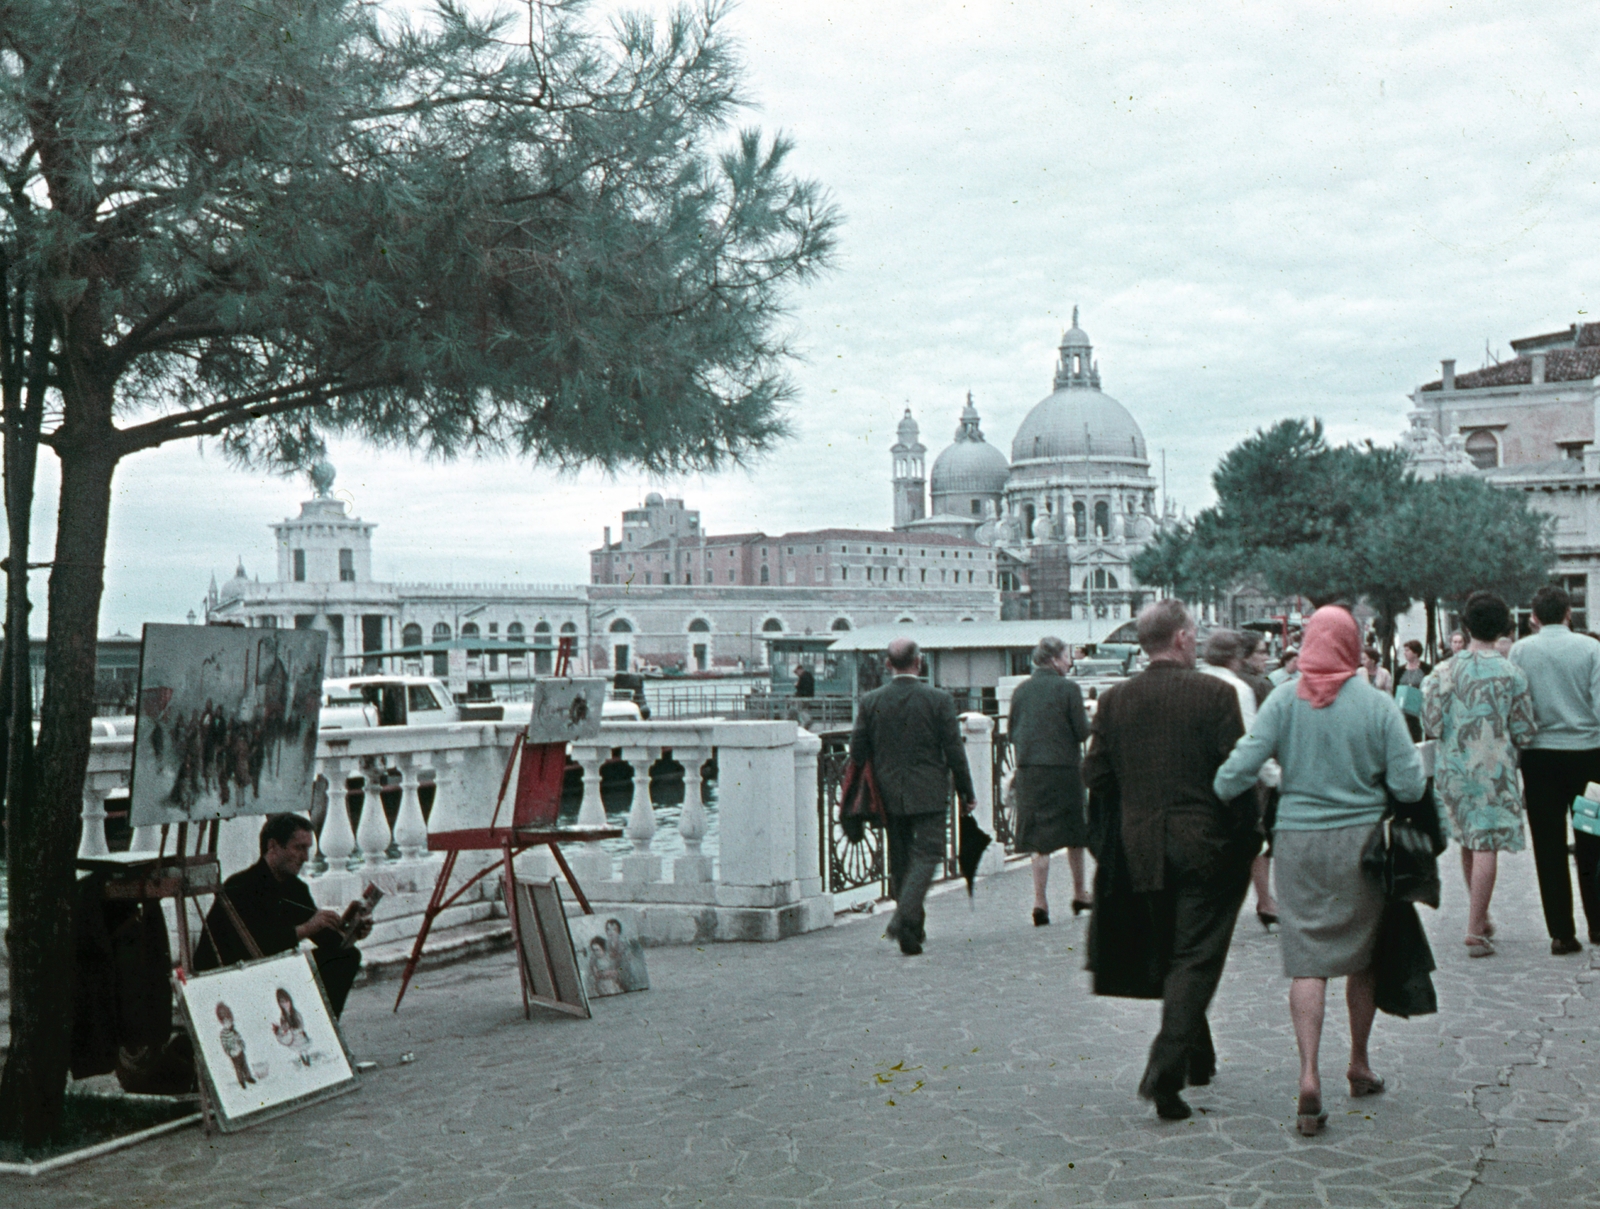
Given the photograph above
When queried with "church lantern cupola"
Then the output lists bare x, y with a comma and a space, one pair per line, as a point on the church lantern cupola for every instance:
1076, 368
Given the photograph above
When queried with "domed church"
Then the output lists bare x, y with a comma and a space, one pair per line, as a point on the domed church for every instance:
1066, 513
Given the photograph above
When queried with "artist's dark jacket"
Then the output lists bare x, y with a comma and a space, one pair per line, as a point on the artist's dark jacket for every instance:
1158, 739
271, 909
910, 734
1047, 724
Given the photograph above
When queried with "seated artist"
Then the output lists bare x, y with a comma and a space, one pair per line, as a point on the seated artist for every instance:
277, 908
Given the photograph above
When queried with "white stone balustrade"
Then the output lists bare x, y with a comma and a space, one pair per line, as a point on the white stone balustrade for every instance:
764, 883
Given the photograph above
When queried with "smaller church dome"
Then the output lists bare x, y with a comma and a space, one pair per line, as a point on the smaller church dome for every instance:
971, 466
653, 500
237, 586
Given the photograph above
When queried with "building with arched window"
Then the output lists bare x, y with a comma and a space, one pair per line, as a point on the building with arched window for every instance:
1525, 423
1064, 515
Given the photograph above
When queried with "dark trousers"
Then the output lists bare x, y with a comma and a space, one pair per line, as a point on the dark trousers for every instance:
1551, 779
1197, 909
916, 847
338, 969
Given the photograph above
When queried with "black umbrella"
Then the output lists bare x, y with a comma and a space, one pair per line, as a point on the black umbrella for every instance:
972, 840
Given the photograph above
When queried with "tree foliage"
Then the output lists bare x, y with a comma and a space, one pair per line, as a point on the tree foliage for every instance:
272, 222
1350, 522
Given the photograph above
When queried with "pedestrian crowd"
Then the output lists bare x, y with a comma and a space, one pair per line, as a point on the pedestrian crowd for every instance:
1203, 775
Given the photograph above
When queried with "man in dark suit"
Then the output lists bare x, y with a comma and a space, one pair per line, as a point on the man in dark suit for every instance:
909, 733
1157, 742
277, 909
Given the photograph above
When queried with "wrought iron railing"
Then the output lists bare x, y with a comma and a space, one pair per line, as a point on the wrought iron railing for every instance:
845, 866
1001, 766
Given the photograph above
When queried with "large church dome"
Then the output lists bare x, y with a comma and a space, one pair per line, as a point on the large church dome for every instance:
1077, 419
971, 466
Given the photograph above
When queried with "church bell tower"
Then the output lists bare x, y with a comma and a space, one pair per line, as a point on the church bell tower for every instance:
910, 477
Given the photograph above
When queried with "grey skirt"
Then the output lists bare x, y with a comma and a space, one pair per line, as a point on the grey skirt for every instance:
1328, 910
1049, 809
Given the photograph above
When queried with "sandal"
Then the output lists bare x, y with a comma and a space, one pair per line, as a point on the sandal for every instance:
1360, 1085
1479, 946
1309, 1115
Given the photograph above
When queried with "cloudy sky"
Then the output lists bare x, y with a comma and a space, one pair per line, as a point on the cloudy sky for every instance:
1264, 210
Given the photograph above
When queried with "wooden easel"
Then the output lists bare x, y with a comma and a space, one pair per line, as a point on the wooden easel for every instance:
533, 818
183, 877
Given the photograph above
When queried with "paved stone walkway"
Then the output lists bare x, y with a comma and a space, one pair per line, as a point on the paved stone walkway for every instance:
828, 1070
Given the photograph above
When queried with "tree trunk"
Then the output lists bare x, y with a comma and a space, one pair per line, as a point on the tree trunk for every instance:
45, 808
1433, 630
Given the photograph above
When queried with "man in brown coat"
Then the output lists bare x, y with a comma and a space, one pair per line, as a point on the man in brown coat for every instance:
1156, 744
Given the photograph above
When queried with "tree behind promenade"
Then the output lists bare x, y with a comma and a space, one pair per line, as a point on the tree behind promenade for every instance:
1350, 522
264, 224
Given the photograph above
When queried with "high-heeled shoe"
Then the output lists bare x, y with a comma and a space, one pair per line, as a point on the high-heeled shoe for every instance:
1041, 917
1267, 918
1309, 1115
1079, 906
1360, 1085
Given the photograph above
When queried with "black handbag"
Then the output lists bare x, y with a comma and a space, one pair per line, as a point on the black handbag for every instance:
1402, 855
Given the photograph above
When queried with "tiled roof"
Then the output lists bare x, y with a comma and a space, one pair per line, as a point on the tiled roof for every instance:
1560, 365
877, 535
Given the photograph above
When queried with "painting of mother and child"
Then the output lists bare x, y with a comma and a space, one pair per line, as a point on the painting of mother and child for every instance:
612, 961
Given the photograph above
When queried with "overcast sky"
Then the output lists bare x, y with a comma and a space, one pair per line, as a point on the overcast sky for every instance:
1264, 210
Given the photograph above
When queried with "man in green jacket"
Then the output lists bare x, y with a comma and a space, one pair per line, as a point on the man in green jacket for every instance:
909, 733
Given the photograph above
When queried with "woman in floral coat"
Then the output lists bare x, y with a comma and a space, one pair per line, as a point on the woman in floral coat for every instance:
1478, 706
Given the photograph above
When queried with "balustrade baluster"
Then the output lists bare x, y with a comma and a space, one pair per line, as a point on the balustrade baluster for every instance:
590, 862
92, 841
693, 865
410, 828
337, 840
641, 865
373, 835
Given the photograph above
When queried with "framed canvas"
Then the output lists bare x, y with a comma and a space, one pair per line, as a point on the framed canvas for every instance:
226, 723
566, 711
265, 1041
610, 953
550, 972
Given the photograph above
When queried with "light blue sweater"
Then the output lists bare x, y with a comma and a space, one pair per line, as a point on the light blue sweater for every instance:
1336, 760
1563, 671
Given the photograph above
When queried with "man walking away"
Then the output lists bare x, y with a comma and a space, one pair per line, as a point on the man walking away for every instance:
1157, 742
1563, 671
909, 733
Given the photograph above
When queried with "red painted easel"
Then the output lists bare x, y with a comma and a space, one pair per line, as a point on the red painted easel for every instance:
533, 822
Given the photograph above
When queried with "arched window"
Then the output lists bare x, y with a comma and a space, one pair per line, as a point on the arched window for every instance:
1080, 522
441, 659
772, 626
470, 630
411, 635
621, 650
699, 626
1103, 579
1027, 520
766, 576
840, 624
1483, 449
1102, 518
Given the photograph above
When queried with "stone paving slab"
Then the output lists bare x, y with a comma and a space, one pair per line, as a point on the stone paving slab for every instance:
828, 1070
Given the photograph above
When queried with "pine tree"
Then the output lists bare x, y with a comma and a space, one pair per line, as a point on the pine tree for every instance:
264, 224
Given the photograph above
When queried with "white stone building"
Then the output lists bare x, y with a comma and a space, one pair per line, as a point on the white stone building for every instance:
1526, 424
1065, 514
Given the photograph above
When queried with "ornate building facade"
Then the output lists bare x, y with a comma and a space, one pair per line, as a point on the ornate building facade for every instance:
1526, 424
1068, 511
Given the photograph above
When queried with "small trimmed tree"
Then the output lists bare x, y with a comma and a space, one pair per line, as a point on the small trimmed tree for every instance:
271, 222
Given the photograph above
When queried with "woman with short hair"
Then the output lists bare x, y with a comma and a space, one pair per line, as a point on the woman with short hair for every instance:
1478, 706
1047, 726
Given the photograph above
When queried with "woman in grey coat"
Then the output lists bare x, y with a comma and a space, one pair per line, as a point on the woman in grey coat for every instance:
1048, 727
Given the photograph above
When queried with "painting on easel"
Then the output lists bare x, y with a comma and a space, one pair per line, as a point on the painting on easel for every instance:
226, 723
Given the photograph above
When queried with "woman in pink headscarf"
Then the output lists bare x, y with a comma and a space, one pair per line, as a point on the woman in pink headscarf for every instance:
1343, 746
